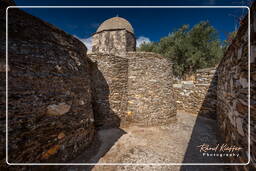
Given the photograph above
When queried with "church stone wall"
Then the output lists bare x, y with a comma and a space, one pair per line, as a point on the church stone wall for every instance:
232, 93
116, 42
130, 42
137, 90
50, 117
110, 96
150, 89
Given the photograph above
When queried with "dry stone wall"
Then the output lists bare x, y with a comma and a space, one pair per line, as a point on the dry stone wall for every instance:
150, 89
110, 96
57, 94
197, 95
232, 93
137, 90
50, 115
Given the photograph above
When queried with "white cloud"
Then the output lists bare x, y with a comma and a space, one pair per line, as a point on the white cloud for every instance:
87, 42
141, 40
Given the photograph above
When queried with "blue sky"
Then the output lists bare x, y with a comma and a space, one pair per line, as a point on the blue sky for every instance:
149, 24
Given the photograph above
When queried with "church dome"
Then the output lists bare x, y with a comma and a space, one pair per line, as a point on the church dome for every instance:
115, 23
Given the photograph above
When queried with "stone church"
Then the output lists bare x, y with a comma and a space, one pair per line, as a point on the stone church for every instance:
114, 36
139, 83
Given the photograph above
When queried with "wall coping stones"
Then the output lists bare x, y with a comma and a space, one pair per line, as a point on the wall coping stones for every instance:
145, 54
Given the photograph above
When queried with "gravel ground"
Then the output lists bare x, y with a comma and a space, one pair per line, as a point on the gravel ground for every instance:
173, 143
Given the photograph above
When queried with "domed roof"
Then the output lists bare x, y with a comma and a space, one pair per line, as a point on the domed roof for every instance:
115, 23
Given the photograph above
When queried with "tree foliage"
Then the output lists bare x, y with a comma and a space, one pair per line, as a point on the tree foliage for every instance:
189, 49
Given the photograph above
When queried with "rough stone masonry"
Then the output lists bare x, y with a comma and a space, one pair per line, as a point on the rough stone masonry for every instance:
222, 93
139, 83
232, 93
114, 36
57, 95
50, 114
197, 94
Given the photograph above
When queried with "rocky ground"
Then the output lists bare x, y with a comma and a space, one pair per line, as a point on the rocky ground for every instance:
173, 143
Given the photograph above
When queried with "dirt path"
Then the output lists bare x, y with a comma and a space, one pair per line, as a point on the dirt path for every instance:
173, 143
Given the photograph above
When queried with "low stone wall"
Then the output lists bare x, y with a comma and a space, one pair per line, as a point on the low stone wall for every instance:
150, 90
50, 116
198, 96
232, 93
109, 78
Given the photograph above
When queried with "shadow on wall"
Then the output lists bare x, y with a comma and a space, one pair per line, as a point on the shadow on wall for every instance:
204, 132
232, 98
106, 122
104, 116
208, 108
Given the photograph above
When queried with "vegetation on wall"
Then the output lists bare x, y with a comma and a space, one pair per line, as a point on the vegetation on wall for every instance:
231, 36
189, 49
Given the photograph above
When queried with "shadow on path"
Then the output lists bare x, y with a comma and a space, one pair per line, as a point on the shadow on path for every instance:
106, 122
104, 140
205, 131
